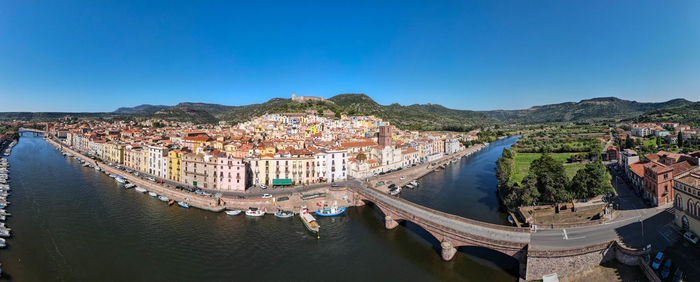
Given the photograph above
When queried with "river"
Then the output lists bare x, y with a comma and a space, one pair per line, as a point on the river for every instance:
71, 223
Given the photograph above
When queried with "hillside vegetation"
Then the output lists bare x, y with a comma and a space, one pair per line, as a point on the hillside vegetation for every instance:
596, 109
687, 114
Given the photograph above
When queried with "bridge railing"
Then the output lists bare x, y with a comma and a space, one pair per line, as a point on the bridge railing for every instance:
447, 215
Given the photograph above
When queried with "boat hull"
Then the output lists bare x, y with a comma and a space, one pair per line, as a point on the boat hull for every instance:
327, 212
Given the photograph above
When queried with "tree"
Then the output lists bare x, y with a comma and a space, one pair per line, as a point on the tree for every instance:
590, 181
680, 139
552, 182
629, 143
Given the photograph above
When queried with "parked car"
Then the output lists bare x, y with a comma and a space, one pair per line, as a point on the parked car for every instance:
666, 270
159, 181
656, 263
403, 177
152, 179
691, 237
678, 275
334, 184
240, 197
266, 196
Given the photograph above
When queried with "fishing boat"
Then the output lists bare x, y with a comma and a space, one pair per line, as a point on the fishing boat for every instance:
309, 221
284, 214
152, 194
171, 202
129, 185
233, 212
163, 198
140, 190
183, 204
332, 211
120, 179
255, 212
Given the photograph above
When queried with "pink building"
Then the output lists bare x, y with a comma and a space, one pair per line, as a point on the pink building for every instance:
231, 173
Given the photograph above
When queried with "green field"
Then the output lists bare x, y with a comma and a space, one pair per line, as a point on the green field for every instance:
523, 160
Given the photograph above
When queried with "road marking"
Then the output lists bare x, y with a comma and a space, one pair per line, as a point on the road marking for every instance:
566, 237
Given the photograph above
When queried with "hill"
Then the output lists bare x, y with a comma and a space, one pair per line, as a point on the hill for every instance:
596, 109
688, 114
140, 109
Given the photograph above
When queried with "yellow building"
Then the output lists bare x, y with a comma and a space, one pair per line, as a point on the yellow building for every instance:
144, 161
174, 165
687, 201
115, 153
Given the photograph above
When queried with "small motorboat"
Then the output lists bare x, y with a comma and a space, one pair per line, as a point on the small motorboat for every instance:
3, 243
129, 185
140, 190
120, 179
414, 183
152, 194
233, 212
163, 198
183, 204
332, 211
255, 212
171, 202
284, 214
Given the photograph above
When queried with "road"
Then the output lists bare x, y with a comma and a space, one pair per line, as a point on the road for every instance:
636, 226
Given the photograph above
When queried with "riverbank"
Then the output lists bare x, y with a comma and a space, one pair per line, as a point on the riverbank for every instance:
293, 203
416, 172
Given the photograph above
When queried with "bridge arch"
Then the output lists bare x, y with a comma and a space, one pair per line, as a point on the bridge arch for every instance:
449, 240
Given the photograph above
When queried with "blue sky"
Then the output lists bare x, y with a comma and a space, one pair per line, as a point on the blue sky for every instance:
476, 55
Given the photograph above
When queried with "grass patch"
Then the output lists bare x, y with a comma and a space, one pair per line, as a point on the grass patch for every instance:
523, 160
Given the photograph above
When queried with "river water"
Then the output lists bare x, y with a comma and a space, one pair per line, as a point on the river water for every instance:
72, 223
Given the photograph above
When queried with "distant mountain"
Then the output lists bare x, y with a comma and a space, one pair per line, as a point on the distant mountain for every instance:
596, 109
140, 109
210, 108
417, 116
687, 114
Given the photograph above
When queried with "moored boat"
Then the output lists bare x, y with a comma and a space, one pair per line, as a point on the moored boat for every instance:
309, 221
140, 190
332, 211
129, 185
255, 212
183, 204
163, 198
284, 214
233, 212
152, 194
171, 202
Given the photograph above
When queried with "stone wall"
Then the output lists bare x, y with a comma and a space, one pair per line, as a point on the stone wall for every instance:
570, 261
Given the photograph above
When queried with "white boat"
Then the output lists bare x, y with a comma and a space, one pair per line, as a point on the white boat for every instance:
129, 185
233, 212
163, 198
3, 243
140, 190
255, 212
183, 204
152, 194
120, 179
5, 232
414, 183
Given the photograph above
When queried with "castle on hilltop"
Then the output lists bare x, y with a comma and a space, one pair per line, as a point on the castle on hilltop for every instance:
302, 99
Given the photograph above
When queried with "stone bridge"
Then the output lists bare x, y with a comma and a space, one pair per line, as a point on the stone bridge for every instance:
452, 231
33, 131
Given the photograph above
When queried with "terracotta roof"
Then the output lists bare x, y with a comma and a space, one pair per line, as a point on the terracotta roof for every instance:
681, 167
638, 168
